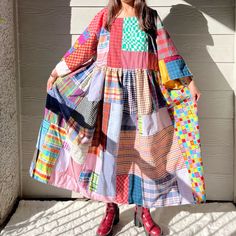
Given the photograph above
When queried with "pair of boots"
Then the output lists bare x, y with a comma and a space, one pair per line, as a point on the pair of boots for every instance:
142, 217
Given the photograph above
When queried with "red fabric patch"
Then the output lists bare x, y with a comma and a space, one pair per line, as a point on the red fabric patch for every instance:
114, 54
105, 121
122, 188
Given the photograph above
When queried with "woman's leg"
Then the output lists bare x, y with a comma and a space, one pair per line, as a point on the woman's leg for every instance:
110, 218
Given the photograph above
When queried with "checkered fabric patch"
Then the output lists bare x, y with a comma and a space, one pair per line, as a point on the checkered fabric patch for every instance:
133, 38
145, 106
122, 188
187, 129
177, 69
129, 92
85, 46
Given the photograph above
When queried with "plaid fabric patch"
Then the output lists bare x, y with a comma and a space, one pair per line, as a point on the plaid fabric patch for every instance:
165, 44
113, 88
93, 183
85, 46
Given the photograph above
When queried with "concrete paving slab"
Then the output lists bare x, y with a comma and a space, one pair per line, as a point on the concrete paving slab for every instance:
80, 217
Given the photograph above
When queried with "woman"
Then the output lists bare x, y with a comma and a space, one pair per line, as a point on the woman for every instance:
120, 122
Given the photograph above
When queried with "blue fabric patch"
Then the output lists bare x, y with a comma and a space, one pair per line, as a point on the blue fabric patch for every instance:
177, 69
114, 126
129, 121
107, 178
104, 35
84, 177
85, 34
71, 50
135, 190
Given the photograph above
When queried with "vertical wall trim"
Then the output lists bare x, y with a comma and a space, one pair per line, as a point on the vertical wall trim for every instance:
18, 94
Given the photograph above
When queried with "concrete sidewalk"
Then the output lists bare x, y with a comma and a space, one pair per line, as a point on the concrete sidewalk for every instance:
80, 217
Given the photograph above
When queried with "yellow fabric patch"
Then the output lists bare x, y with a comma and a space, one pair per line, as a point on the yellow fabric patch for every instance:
165, 79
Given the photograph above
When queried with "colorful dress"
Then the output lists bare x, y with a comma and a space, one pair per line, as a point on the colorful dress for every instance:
118, 125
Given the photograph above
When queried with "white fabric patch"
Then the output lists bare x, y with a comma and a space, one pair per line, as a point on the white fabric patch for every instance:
155, 122
78, 152
184, 185
62, 68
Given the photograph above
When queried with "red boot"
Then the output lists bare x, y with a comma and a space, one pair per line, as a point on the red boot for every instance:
142, 217
110, 218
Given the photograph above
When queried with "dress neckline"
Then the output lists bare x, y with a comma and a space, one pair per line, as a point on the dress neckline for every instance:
126, 17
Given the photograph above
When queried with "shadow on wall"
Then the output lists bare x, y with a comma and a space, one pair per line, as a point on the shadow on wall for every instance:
192, 37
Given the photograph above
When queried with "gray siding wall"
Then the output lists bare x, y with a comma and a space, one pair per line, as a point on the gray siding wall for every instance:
203, 33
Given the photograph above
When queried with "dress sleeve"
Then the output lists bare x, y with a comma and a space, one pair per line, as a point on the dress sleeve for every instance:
172, 66
84, 48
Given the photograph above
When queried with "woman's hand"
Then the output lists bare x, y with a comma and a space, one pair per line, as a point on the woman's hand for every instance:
53, 77
195, 92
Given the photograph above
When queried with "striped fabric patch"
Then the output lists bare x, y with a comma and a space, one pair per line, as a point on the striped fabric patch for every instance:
48, 151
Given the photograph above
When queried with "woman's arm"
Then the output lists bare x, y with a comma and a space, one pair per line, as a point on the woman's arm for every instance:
84, 48
171, 64
174, 71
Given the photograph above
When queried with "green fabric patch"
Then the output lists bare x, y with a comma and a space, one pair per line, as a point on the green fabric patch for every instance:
133, 38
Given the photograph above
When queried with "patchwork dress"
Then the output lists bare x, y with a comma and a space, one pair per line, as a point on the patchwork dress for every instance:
119, 126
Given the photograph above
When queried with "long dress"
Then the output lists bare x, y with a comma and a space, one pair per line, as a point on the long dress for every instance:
119, 126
